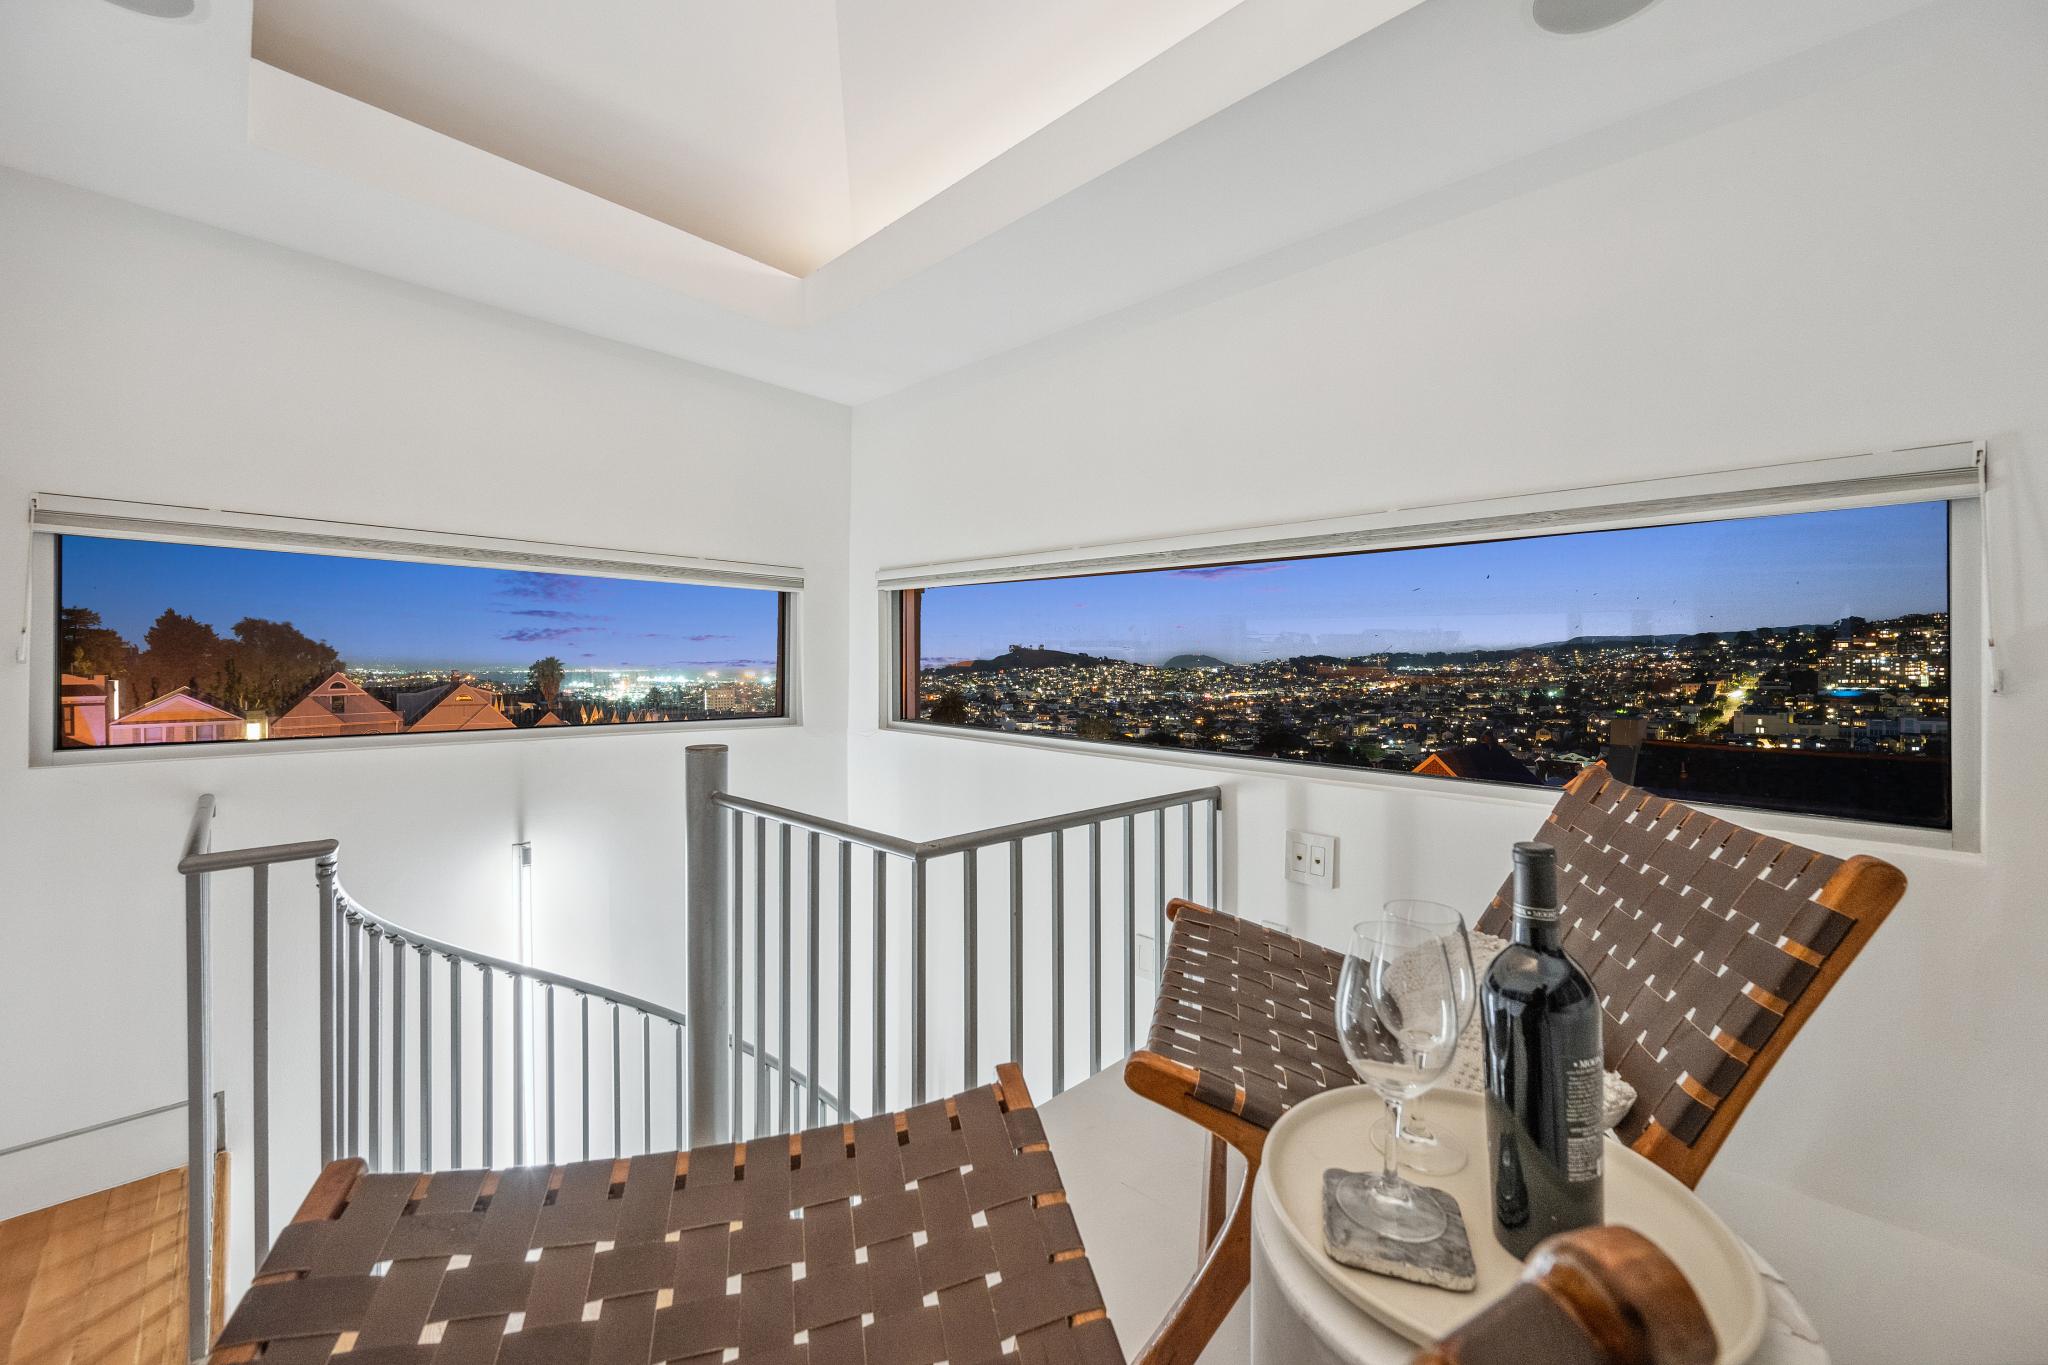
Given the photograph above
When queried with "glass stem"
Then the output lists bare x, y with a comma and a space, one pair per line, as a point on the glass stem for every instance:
1392, 1170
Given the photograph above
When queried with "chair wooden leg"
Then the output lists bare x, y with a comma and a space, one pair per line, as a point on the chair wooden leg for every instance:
1212, 1293
1215, 1193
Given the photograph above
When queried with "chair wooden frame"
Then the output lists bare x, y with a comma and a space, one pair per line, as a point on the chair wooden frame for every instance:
1597, 1296
1851, 901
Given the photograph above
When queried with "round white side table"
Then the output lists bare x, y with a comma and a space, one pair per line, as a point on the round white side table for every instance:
1297, 1318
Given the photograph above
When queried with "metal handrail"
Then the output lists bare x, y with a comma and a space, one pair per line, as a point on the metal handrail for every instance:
929, 849
398, 933
269, 855
818, 824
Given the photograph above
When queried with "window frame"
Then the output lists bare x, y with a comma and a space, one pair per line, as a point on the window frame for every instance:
45, 717
1756, 492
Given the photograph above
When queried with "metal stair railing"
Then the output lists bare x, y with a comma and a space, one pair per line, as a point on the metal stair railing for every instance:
767, 859
411, 1076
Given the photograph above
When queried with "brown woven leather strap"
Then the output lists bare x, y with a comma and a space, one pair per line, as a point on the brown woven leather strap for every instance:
1253, 1010
1699, 935
941, 1233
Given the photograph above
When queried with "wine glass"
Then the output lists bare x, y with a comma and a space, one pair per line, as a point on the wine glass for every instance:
1400, 1008
1424, 1149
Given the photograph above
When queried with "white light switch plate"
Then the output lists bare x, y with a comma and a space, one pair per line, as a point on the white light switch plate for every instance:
1312, 858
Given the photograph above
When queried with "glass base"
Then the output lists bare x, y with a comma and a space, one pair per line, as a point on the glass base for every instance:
1391, 1208
1424, 1150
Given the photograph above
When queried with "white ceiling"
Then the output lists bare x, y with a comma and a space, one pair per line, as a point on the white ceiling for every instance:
850, 202
785, 130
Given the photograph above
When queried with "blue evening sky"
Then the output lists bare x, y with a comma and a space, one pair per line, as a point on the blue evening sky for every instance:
381, 612
1705, 576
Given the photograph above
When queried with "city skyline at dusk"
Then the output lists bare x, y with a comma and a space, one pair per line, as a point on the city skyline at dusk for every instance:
388, 613
1876, 562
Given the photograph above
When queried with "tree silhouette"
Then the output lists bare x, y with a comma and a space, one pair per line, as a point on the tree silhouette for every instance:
271, 663
948, 709
546, 676
1099, 728
88, 648
180, 651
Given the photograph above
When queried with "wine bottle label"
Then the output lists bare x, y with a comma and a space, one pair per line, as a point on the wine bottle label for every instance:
1582, 1104
1542, 914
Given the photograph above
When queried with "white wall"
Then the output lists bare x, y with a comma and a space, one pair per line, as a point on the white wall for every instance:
1854, 262
151, 359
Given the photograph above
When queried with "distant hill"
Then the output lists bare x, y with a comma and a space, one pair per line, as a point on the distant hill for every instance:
1033, 656
1024, 656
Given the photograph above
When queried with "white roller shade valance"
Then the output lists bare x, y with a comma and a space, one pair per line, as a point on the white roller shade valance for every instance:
213, 526
1921, 474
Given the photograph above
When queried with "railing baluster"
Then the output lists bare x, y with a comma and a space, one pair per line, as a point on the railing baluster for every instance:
682, 1133
845, 1039
1095, 947
1059, 961
881, 997
490, 1066
398, 955
1158, 898
782, 986
426, 1060
454, 1063
330, 930
551, 1076
918, 1040
1130, 934
518, 1070
1017, 951
1215, 851
373, 947
646, 1083
814, 1113
970, 954
760, 976
259, 1004
583, 1005
618, 1089
739, 959
353, 1142
1187, 850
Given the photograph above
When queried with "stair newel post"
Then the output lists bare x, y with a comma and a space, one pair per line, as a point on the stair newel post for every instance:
711, 1024
198, 1112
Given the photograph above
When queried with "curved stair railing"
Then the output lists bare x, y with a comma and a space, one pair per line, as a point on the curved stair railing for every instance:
433, 1056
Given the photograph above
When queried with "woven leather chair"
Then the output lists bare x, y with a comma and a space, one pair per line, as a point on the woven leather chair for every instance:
937, 1233
1709, 943
1598, 1296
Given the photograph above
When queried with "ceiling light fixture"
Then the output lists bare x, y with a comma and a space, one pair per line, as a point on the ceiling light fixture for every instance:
1574, 17
158, 9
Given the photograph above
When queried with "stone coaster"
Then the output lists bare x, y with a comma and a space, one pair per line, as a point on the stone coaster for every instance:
1445, 1263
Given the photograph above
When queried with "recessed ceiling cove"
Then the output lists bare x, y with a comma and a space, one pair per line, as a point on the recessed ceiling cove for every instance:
784, 130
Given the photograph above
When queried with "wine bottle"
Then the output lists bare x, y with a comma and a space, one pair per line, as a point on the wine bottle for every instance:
1543, 1071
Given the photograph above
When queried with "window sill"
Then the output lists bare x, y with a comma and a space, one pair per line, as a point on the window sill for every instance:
1864, 835
44, 756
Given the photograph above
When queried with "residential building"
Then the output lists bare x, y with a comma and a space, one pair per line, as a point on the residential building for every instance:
335, 705
177, 717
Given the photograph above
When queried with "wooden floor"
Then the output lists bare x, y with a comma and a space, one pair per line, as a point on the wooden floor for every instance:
98, 1280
